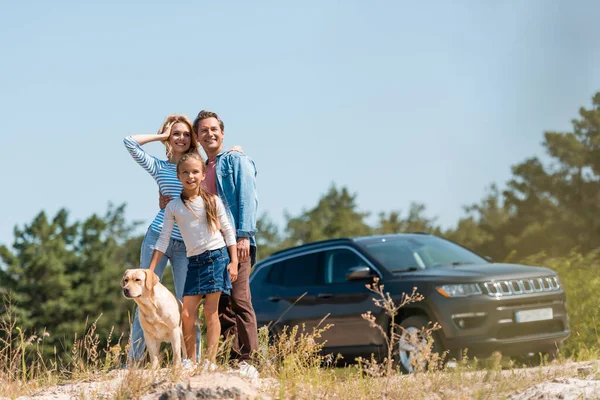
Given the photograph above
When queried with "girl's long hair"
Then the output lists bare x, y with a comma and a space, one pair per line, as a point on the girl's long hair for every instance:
173, 119
210, 200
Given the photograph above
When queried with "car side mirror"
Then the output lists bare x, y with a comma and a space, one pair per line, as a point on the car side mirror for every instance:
359, 273
489, 258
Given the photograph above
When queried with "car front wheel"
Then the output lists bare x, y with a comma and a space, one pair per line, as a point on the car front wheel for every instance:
412, 347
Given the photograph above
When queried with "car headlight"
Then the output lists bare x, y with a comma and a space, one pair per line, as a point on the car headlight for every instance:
459, 290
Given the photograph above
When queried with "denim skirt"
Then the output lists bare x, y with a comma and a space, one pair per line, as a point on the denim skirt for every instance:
207, 273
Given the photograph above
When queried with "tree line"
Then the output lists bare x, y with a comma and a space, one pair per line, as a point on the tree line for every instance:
60, 275
550, 207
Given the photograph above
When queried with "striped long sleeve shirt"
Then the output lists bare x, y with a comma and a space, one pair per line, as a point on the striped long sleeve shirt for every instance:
165, 175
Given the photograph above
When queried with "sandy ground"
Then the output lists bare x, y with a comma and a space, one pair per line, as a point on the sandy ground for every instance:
585, 384
205, 385
567, 388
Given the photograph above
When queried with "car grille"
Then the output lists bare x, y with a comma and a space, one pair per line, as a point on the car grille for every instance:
514, 287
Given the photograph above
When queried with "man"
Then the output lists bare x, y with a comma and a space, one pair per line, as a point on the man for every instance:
232, 176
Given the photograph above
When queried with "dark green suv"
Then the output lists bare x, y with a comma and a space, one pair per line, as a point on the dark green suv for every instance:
481, 306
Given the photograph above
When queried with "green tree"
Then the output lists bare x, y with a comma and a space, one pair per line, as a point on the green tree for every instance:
415, 221
269, 239
100, 248
62, 275
336, 215
546, 207
38, 275
556, 207
484, 229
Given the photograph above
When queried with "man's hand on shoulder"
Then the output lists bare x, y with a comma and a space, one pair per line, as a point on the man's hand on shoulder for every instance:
236, 148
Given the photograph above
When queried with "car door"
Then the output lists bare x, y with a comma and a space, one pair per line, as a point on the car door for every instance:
345, 301
295, 284
266, 293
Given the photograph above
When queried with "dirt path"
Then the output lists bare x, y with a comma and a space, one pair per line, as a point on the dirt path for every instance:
579, 381
128, 383
585, 386
562, 388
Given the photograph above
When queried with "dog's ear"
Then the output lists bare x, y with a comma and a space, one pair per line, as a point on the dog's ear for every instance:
151, 279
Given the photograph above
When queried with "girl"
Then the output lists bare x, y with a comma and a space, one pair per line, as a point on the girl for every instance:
177, 135
208, 237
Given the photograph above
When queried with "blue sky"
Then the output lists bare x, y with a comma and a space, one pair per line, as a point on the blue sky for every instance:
400, 102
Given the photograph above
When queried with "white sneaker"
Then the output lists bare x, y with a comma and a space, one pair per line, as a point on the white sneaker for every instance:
209, 366
187, 364
248, 370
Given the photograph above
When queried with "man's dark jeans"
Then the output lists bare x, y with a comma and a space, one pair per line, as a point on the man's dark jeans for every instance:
237, 314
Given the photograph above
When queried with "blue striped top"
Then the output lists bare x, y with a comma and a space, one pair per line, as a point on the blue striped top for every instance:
164, 173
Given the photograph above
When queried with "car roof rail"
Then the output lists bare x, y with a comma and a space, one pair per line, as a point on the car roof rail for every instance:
312, 244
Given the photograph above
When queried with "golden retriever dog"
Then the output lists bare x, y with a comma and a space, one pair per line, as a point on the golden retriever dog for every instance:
159, 312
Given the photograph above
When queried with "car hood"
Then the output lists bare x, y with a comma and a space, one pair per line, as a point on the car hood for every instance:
479, 272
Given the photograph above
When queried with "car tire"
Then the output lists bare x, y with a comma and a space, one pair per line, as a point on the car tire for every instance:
406, 351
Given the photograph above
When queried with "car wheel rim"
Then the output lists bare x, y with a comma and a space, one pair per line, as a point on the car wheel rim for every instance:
410, 345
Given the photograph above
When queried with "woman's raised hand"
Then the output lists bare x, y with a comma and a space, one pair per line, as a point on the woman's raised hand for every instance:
164, 135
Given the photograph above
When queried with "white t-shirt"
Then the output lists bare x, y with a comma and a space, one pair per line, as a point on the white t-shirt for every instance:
196, 233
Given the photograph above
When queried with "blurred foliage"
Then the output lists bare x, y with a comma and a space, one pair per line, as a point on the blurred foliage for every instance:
552, 208
580, 278
60, 273
62, 276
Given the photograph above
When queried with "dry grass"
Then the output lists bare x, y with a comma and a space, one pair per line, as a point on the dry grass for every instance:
24, 370
459, 383
295, 361
293, 365
422, 340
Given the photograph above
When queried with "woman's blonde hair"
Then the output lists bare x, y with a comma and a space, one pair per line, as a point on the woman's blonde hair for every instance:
210, 200
173, 119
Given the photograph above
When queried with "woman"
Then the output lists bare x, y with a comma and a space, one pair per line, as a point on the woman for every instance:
178, 136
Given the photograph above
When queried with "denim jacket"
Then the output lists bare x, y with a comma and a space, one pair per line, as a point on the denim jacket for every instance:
236, 186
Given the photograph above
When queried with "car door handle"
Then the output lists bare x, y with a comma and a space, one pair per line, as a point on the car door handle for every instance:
324, 295
274, 299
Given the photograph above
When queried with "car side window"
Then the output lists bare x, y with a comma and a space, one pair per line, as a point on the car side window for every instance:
261, 275
275, 274
304, 270
338, 262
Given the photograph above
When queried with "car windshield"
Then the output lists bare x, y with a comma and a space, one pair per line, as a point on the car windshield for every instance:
422, 252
